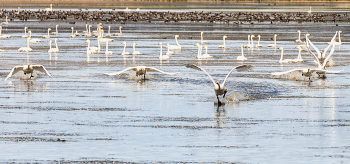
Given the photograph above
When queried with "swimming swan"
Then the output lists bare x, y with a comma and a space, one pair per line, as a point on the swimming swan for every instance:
259, 45
241, 57
3, 36
48, 34
25, 33
275, 44
33, 40
203, 41
175, 47
120, 32
135, 52
108, 52
124, 52
28, 69
161, 56
26, 49
5, 23
53, 50
224, 45
298, 40
56, 32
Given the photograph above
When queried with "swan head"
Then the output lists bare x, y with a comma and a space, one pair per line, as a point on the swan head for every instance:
242, 45
253, 36
340, 31
307, 34
217, 82
87, 41
281, 48
72, 28
29, 31
201, 32
25, 27
120, 26
49, 29
160, 43
56, 39
298, 31
177, 36
51, 41
135, 43
57, 25
225, 36
123, 42
196, 44
90, 25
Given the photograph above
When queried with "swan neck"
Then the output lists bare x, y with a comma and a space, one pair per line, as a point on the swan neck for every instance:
281, 55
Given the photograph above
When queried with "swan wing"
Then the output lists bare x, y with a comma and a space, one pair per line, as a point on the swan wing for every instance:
200, 69
332, 41
330, 54
117, 73
316, 58
42, 69
282, 73
152, 69
313, 46
14, 71
239, 69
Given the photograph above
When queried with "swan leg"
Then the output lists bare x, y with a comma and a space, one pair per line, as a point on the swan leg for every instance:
144, 76
225, 94
219, 103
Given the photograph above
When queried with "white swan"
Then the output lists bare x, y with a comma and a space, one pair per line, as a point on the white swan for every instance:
109, 32
127, 9
33, 40
335, 42
18, 11
25, 33
251, 45
102, 39
135, 52
49, 9
161, 56
56, 32
120, 32
320, 55
4, 36
93, 48
108, 52
299, 59
5, 23
241, 57
285, 60
309, 11
76, 33
26, 49
169, 52
199, 54
87, 30
175, 47
73, 35
219, 89
28, 69
275, 44
98, 28
224, 44
48, 34
203, 41
137, 9
298, 40
53, 50
259, 45
248, 45
140, 70
124, 52
206, 55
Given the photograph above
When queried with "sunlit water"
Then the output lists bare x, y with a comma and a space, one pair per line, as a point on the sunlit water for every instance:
265, 119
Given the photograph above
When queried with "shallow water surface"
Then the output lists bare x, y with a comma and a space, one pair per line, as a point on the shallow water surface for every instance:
84, 115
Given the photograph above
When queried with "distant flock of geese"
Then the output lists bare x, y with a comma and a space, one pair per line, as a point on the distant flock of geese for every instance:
321, 57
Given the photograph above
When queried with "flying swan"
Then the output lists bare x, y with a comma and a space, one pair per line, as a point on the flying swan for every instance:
140, 70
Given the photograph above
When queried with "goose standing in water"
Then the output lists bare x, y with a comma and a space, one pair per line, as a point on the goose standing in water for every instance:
161, 56
298, 40
274, 39
220, 89
48, 34
26, 49
124, 50
4, 36
28, 69
25, 33
224, 44
241, 57
135, 52
258, 45
56, 32
140, 70
5, 23
33, 40
203, 41
120, 32
175, 47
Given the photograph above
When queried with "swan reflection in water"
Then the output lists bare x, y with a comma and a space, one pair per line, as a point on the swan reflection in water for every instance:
26, 84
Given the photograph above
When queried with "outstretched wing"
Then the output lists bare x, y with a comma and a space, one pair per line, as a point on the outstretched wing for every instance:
313, 46
316, 58
329, 55
282, 73
117, 73
332, 41
239, 69
150, 69
14, 71
42, 69
200, 69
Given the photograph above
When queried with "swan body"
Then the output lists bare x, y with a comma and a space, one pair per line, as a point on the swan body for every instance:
26, 49
161, 56
203, 41
73, 35
53, 50
4, 36
224, 44
124, 52
5, 23
49, 9
48, 34
241, 57
28, 69
120, 32
108, 52
307, 72
140, 70
33, 40
175, 47
258, 45
127, 9
284, 60
135, 52
219, 89
25, 33
137, 10
274, 39
93, 48
76, 33
299, 59
206, 55
199, 54
56, 32
298, 40
87, 30
169, 52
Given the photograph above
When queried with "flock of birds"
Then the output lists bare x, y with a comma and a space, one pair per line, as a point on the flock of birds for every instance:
321, 59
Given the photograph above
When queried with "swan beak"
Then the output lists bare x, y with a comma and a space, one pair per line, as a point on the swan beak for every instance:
28, 64
280, 48
121, 26
196, 44
217, 82
340, 31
